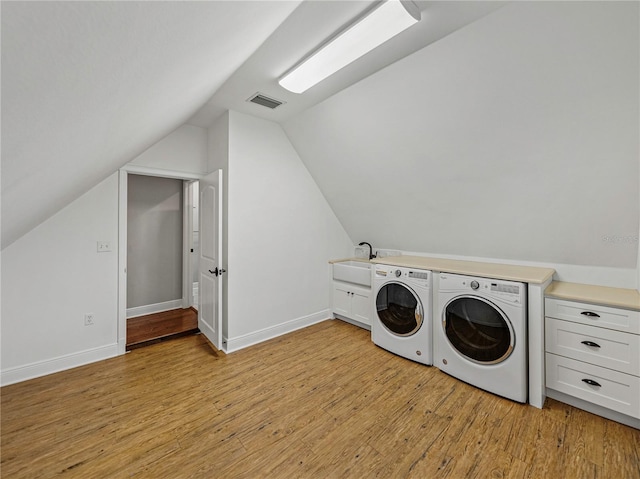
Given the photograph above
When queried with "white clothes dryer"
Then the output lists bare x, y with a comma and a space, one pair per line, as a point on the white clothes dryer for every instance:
481, 336
402, 322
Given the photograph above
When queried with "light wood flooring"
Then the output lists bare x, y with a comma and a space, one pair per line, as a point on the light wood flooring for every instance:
153, 328
322, 402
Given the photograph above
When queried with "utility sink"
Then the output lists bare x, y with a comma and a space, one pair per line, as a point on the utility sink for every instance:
357, 272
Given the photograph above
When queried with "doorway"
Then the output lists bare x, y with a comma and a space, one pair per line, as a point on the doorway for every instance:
162, 259
211, 262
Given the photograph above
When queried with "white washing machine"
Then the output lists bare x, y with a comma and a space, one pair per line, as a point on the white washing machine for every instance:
481, 335
401, 321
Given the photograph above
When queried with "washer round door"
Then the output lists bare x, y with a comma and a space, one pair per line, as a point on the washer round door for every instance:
399, 309
478, 330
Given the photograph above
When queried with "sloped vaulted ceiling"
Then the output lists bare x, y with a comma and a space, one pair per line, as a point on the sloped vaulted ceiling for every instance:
86, 86
516, 137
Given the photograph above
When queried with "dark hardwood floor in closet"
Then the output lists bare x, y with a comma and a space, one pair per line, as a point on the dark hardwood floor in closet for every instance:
153, 328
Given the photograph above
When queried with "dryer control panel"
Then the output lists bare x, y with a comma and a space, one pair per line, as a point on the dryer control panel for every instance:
505, 288
419, 274
508, 291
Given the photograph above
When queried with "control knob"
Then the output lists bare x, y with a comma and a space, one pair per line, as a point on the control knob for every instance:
398, 273
475, 285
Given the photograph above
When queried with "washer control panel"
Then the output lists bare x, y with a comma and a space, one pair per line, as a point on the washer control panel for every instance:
509, 291
416, 276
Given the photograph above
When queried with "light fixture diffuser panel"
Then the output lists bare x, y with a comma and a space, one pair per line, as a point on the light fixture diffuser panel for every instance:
382, 24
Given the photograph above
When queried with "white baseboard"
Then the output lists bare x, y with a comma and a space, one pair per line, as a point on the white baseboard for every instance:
594, 408
50, 366
153, 308
353, 321
244, 341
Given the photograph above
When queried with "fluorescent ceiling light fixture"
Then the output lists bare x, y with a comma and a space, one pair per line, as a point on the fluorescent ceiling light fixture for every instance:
384, 22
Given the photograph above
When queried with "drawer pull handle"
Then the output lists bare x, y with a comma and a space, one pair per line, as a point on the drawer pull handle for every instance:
590, 314
591, 343
591, 382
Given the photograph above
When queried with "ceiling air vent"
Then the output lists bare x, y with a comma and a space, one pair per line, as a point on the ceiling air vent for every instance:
264, 100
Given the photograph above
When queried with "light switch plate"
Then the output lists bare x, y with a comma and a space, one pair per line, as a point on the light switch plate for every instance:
104, 246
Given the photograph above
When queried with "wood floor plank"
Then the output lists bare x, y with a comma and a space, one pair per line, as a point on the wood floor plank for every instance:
155, 326
621, 451
321, 402
586, 444
549, 448
407, 445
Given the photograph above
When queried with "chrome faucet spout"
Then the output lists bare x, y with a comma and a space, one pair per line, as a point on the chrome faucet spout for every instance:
371, 255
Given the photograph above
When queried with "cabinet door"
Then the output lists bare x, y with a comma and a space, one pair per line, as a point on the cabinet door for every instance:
361, 307
341, 300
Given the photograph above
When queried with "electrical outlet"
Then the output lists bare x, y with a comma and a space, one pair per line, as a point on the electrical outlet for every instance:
89, 319
104, 246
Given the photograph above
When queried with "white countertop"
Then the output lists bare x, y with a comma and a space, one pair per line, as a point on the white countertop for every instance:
510, 272
588, 293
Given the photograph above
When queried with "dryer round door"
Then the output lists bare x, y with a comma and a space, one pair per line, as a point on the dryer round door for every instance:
399, 309
478, 329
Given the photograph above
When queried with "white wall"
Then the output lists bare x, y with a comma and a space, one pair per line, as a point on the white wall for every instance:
184, 150
281, 234
154, 240
513, 138
52, 276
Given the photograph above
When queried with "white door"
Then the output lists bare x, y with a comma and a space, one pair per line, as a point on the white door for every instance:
210, 290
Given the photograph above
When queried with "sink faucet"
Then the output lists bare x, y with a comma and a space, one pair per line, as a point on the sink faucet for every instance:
371, 255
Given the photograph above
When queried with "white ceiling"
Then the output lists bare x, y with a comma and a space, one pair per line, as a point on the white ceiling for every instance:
309, 26
87, 86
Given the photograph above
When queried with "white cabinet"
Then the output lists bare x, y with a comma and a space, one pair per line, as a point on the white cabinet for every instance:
352, 302
593, 354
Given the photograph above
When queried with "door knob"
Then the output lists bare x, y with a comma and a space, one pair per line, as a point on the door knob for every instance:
217, 271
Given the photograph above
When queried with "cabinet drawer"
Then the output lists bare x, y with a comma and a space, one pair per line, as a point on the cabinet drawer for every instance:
616, 391
593, 315
598, 346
